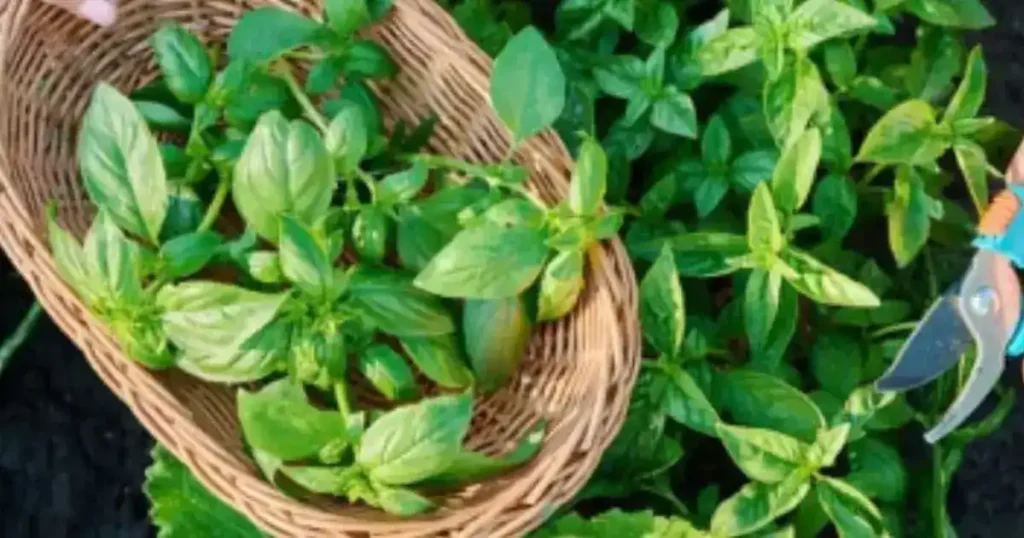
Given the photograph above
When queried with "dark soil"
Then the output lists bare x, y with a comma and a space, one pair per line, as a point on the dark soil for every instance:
72, 457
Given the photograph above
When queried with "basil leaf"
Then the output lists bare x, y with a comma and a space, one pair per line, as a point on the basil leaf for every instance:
347, 138
469, 466
211, 319
112, 260
183, 61
862, 405
816, 21
323, 75
440, 359
368, 59
325, 480
401, 502
69, 257
390, 301
388, 373
187, 254
827, 447
284, 168
794, 175
835, 203
836, 362
279, 420
792, 99
850, 510
971, 94
674, 113
261, 93
822, 283
716, 145
658, 24
966, 14
264, 267
496, 332
905, 135
561, 285
873, 92
763, 455
876, 469
841, 63
266, 33
763, 401
753, 167
346, 16
836, 150
684, 401
121, 166
527, 85
769, 316
370, 234
699, 254
763, 229
970, 157
415, 442
426, 227
736, 48
163, 118
935, 61
402, 186
709, 194
909, 216
621, 76
487, 262
756, 505
662, 310
589, 179
304, 260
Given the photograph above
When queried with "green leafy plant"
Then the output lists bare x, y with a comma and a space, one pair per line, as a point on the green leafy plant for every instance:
283, 240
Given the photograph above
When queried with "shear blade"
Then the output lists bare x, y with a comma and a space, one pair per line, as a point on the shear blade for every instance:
934, 347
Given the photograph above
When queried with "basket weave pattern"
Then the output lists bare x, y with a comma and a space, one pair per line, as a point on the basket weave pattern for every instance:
577, 373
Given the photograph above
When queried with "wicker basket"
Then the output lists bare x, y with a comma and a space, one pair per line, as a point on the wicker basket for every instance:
578, 373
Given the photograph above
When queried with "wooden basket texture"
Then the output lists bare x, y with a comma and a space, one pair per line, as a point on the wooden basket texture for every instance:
578, 373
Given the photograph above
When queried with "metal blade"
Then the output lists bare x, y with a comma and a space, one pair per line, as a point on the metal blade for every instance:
934, 347
990, 303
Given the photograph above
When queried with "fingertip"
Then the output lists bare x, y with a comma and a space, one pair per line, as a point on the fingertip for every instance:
101, 12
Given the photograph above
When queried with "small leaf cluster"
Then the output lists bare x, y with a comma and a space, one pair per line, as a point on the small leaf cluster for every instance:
256, 228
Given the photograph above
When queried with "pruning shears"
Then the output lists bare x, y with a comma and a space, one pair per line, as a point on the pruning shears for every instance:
983, 308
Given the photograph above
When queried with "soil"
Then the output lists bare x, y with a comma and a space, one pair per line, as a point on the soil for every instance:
72, 458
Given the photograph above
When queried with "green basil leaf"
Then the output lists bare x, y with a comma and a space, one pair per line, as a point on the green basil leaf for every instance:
769, 316
764, 401
753, 167
560, 285
389, 300
589, 179
909, 216
183, 61
357, 93
261, 93
379, 8
401, 502
113, 261
699, 254
304, 259
971, 94
709, 194
835, 203
163, 118
837, 149
325, 480
527, 85
816, 21
836, 362
876, 469
859, 409
970, 157
763, 229
323, 75
402, 186
674, 113
415, 442
284, 168
841, 63
487, 262
121, 166
175, 163
851, 511
187, 254
496, 333
621, 76
935, 61
794, 175
966, 14
905, 135
514, 212
368, 59
763, 455
388, 373
279, 420
736, 48
684, 401
822, 283
469, 466
792, 99
440, 359
264, 267
654, 69
619, 523
662, 309
229, 83
266, 33
716, 145
756, 505
370, 234
426, 227
69, 257
828, 446
347, 138
657, 24
346, 16
207, 319
873, 92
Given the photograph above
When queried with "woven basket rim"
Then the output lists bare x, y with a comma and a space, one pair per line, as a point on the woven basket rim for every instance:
21, 236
